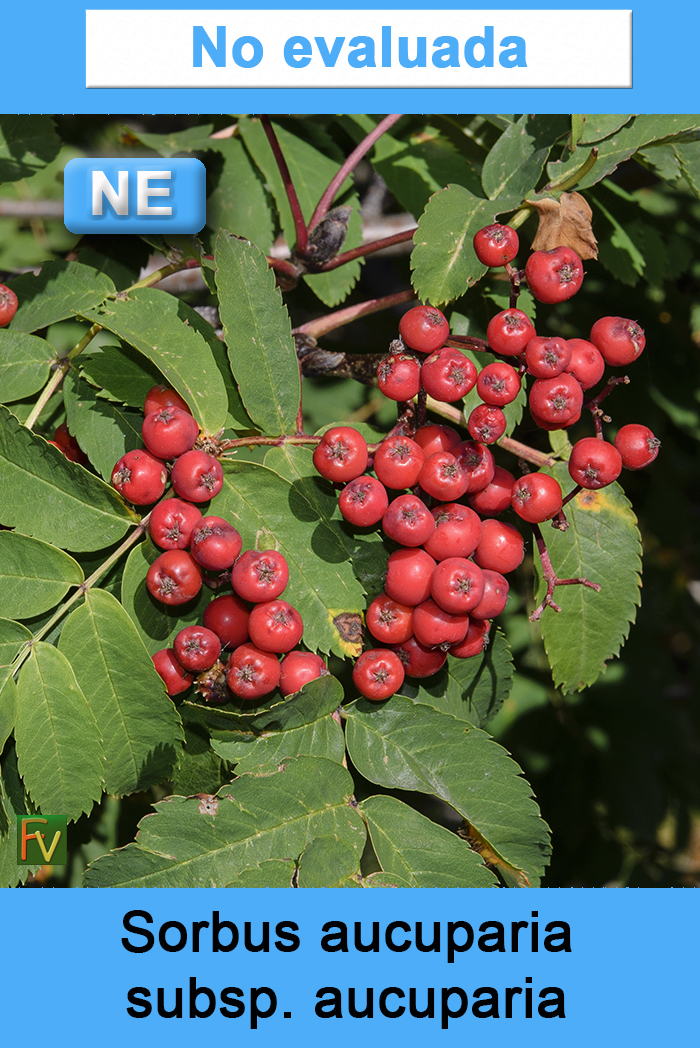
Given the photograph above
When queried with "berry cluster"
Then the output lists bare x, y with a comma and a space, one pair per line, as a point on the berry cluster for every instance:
253, 625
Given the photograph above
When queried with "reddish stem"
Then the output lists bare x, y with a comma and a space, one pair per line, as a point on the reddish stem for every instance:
281, 265
273, 442
363, 250
514, 275
613, 381
299, 224
316, 328
551, 579
349, 166
479, 345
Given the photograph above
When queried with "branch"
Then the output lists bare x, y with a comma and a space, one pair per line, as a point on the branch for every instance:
363, 250
551, 579
299, 224
316, 328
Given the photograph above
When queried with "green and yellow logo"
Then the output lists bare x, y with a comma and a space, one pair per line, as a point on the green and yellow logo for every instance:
42, 839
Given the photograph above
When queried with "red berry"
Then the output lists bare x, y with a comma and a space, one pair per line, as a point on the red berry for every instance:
553, 276
408, 575
457, 532
457, 585
260, 575
637, 445
408, 521
298, 668
275, 626
389, 621
436, 438
594, 463
474, 642
398, 376
175, 678
486, 424
586, 364
8, 305
69, 445
363, 501
495, 497
215, 543
139, 477
197, 648
174, 577
556, 400
498, 384
252, 673
341, 454
171, 522
160, 397
169, 432
536, 497
448, 375
501, 547
495, 596
496, 245
620, 341
398, 462
477, 461
443, 477
509, 332
419, 661
432, 625
197, 476
227, 616
378, 674
424, 328
547, 357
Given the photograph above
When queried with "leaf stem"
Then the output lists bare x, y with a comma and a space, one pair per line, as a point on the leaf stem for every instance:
156, 276
349, 166
568, 181
300, 229
316, 328
48, 391
551, 579
273, 442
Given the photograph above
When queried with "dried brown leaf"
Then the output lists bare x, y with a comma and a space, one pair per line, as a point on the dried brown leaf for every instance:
565, 222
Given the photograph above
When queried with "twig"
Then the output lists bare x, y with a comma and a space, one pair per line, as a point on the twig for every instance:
551, 579
363, 250
316, 328
479, 345
299, 224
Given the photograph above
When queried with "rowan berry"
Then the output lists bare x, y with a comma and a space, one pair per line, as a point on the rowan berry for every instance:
501, 547
227, 616
498, 384
424, 328
586, 364
8, 305
594, 463
443, 477
457, 585
448, 375
173, 675
169, 433
260, 575
496, 245
363, 502
197, 476
408, 574
556, 400
408, 521
388, 620
139, 477
215, 543
196, 648
547, 357
637, 445
174, 577
536, 497
486, 424
399, 376
160, 397
298, 668
620, 341
252, 673
341, 455
398, 462
554, 276
171, 522
433, 626
457, 532
495, 596
417, 660
275, 626
495, 497
509, 332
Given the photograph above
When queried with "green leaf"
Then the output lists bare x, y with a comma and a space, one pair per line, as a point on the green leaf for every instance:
617, 250
103, 428
597, 127
271, 513
24, 364
420, 852
271, 873
471, 690
27, 145
199, 769
140, 727
258, 335
153, 322
156, 623
34, 576
122, 372
13, 637
240, 202
47, 497
663, 161
13, 802
408, 746
62, 290
329, 863
58, 742
190, 140
208, 842
688, 157
603, 545
313, 159
443, 260
515, 163
8, 709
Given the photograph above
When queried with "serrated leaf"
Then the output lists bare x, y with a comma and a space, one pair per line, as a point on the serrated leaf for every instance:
318, 698
270, 513
34, 575
329, 863
687, 155
240, 202
139, 725
59, 750
258, 335
13, 802
27, 145
47, 497
420, 852
515, 163
24, 364
617, 250
602, 544
597, 127
473, 689
189, 140
61, 290
271, 873
408, 746
313, 159
443, 260
122, 372
156, 623
152, 322
663, 161
199, 769
209, 841
8, 709
104, 429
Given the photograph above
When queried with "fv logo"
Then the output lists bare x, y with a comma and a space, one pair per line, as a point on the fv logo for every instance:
42, 839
